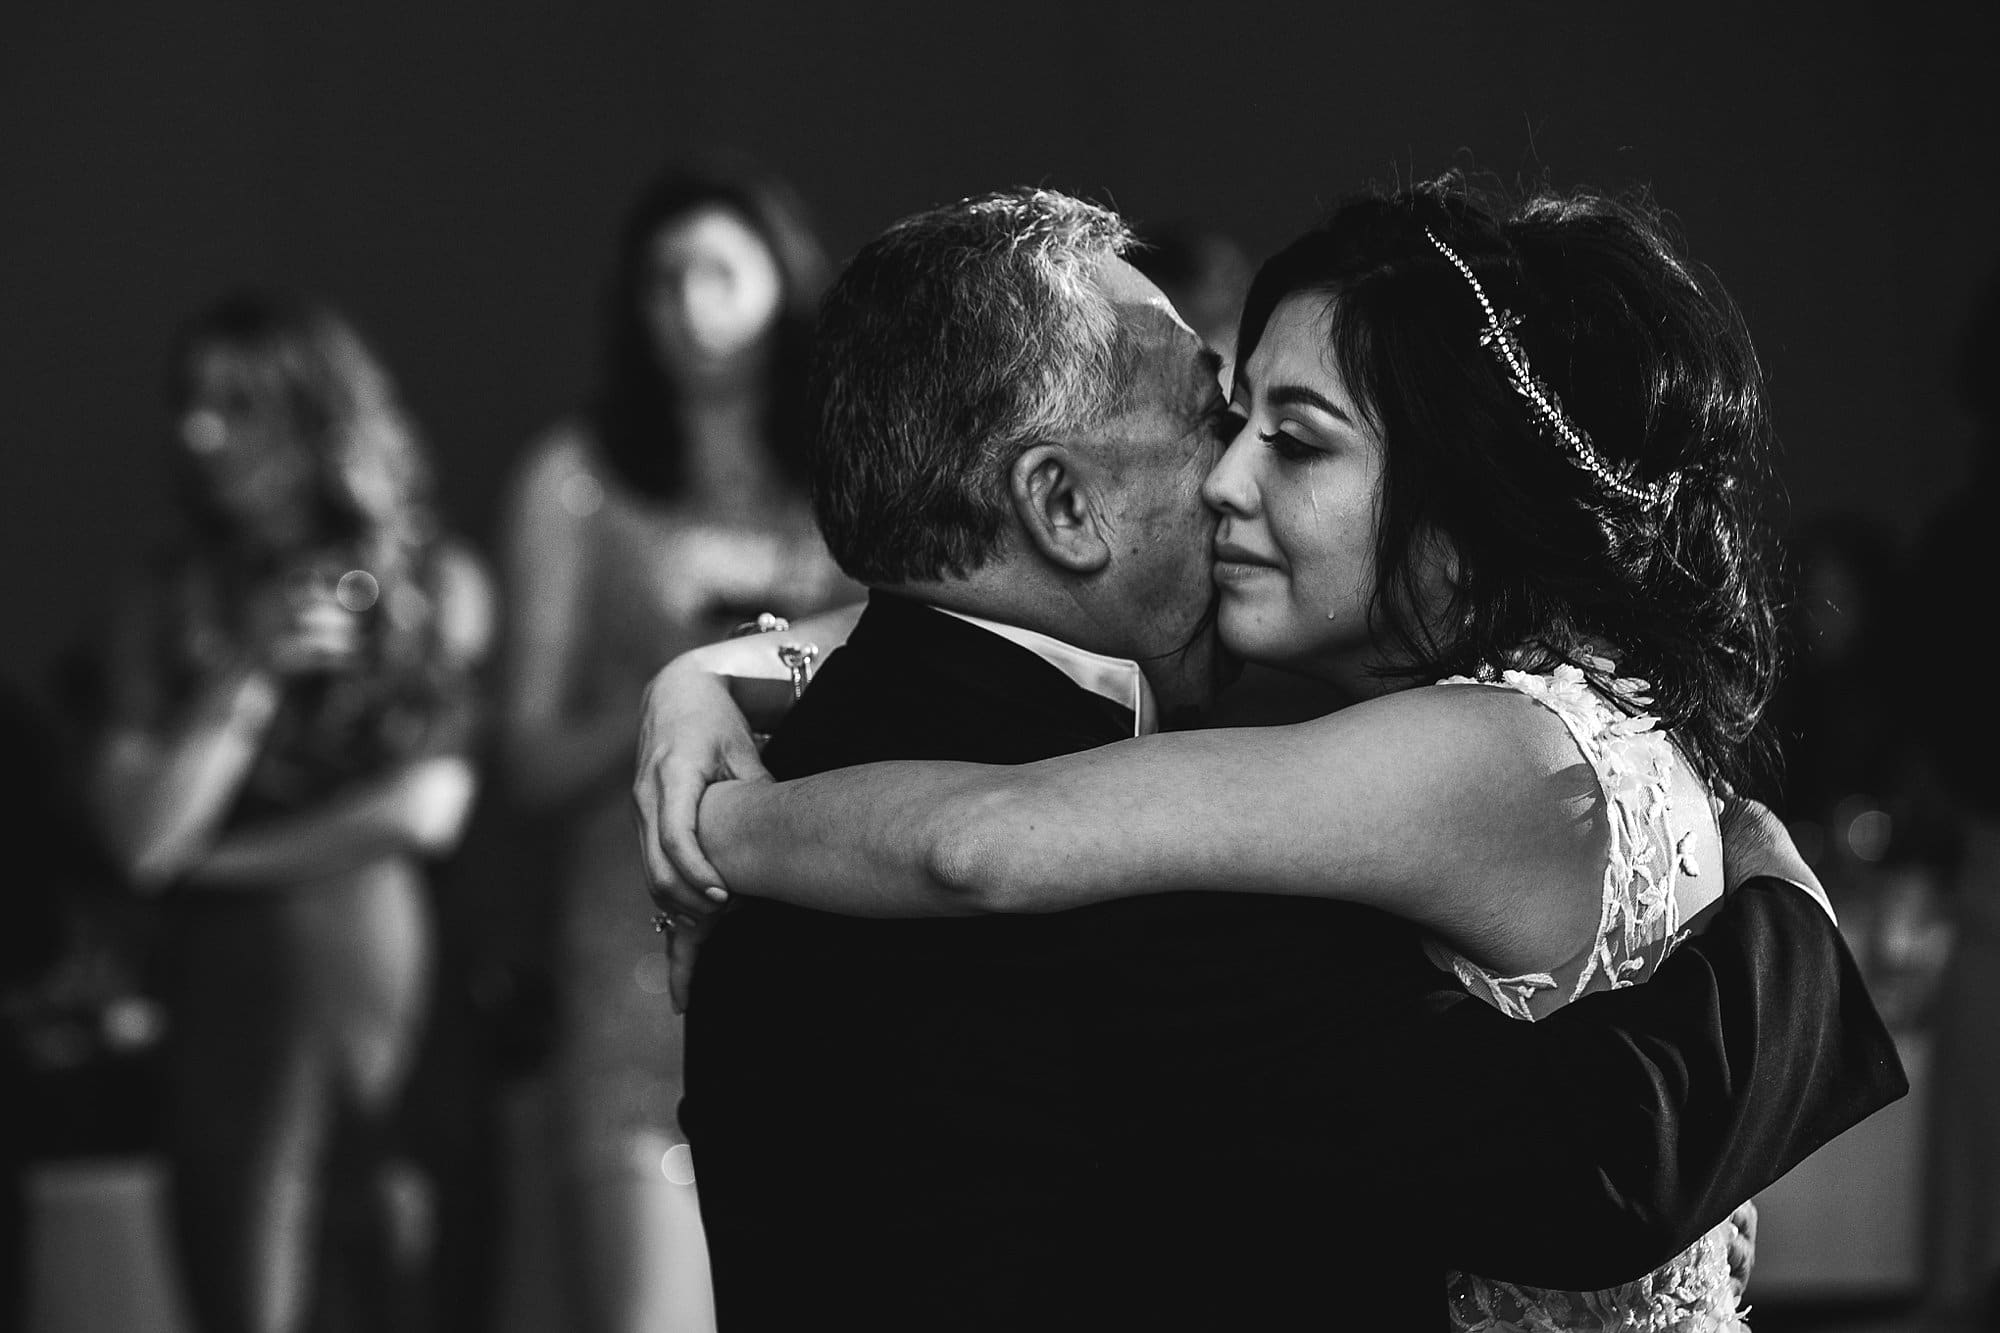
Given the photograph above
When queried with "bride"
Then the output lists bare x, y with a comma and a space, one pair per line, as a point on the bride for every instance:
1488, 476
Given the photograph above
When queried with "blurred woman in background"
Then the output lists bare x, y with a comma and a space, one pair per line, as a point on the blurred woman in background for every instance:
290, 705
670, 509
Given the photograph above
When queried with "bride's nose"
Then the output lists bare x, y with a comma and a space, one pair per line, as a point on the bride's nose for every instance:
1229, 487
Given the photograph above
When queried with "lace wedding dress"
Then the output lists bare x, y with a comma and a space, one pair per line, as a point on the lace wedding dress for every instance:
1639, 927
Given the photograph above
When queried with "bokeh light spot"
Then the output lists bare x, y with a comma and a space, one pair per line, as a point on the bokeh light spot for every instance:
357, 590
650, 974
1868, 834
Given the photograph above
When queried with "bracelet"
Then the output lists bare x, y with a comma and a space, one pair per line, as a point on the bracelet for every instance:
799, 659
765, 623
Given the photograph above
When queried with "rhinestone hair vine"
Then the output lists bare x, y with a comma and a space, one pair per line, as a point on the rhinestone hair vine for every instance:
1541, 400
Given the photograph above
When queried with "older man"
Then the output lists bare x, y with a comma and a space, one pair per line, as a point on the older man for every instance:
1179, 1111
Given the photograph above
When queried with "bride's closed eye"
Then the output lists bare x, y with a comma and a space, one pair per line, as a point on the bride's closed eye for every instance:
1288, 447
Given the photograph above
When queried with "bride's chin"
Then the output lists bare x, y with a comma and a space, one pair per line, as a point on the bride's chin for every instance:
1246, 640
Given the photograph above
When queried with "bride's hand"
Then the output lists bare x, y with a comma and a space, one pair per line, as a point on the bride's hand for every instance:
691, 736
1756, 844
685, 935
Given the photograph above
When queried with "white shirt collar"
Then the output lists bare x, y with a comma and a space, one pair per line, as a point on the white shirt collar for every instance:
1115, 678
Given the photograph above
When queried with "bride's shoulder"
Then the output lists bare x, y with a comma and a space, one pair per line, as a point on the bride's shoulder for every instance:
1471, 761
1516, 726
1608, 716
1654, 807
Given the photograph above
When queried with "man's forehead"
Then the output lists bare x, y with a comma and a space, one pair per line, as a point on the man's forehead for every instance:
1126, 285
1166, 348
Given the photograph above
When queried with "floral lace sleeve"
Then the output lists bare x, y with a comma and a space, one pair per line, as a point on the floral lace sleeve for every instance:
1638, 926
1639, 922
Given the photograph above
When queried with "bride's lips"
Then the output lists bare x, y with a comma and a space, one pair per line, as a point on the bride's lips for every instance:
1234, 564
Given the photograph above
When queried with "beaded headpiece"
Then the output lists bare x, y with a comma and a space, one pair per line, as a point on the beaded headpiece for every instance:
1541, 400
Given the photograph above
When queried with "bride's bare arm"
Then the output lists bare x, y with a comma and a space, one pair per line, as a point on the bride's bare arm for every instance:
696, 727
754, 669
1465, 810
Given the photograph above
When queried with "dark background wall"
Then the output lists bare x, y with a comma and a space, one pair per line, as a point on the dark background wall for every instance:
451, 173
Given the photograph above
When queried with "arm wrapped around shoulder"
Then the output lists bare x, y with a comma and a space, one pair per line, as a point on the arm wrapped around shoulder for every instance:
980, 851
1631, 1122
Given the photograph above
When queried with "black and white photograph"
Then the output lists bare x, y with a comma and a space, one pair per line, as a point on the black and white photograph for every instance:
1046, 666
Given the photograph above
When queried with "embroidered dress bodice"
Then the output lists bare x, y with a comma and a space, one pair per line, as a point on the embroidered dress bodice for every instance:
1638, 926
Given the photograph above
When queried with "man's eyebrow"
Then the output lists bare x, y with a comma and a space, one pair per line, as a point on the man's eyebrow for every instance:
1285, 395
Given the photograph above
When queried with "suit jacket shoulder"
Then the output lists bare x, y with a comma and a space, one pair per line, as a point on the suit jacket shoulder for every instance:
914, 683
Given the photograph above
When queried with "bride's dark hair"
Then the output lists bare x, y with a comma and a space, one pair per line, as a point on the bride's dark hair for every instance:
1649, 358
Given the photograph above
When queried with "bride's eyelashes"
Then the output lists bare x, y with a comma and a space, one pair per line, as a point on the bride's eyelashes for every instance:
1287, 447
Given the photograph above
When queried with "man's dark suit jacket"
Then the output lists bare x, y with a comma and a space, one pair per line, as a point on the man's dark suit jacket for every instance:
1207, 1110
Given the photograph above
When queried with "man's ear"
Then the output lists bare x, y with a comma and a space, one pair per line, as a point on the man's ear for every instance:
1052, 503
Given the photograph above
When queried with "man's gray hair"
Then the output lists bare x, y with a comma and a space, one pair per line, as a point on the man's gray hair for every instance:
950, 343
